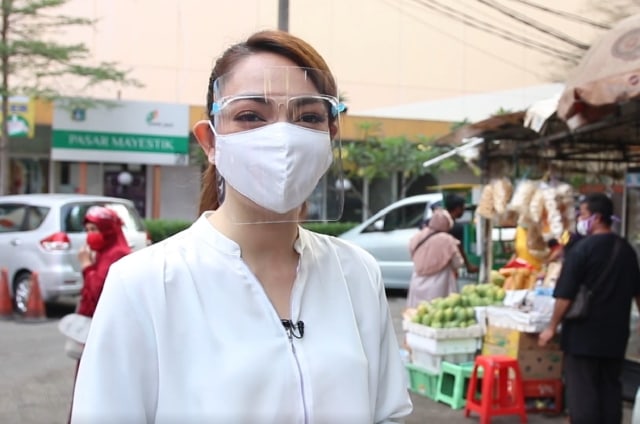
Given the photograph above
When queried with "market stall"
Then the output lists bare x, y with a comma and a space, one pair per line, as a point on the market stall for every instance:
602, 155
444, 336
585, 139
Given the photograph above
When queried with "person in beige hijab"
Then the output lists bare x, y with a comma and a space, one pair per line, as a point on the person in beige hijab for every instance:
436, 258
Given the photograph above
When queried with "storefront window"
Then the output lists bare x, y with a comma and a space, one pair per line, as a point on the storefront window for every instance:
28, 176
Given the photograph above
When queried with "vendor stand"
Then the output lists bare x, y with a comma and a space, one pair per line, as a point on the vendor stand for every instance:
587, 137
598, 156
443, 341
603, 155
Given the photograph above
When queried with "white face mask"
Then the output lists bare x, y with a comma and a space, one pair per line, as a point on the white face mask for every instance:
276, 166
583, 226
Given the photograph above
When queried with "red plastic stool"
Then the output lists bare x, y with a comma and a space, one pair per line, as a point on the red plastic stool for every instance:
501, 392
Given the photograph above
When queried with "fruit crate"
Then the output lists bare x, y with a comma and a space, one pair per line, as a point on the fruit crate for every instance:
432, 362
442, 333
422, 381
443, 346
506, 317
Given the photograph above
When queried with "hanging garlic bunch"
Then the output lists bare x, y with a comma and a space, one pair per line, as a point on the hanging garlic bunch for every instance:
485, 204
554, 217
536, 207
502, 190
566, 200
522, 195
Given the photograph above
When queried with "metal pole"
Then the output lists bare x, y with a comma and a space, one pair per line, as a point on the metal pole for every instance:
283, 15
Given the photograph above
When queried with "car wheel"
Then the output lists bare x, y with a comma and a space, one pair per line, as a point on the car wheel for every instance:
21, 287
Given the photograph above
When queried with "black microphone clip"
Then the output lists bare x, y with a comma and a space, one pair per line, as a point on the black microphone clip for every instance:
293, 330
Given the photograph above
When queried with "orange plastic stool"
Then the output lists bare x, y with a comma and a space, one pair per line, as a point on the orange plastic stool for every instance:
501, 392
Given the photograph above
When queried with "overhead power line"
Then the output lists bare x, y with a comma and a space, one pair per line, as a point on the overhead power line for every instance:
495, 30
567, 15
465, 42
533, 24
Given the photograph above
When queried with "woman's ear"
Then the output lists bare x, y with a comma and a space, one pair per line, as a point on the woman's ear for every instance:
204, 135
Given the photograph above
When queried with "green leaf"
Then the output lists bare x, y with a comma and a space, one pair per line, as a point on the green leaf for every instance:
33, 64
382, 157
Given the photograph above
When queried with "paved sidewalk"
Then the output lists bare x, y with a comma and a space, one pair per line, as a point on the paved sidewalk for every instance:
35, 375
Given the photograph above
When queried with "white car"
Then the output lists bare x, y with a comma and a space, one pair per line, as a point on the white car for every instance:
387, 233
43, 232
386, 236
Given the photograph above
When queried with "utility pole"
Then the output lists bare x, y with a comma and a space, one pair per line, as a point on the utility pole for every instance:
283, 15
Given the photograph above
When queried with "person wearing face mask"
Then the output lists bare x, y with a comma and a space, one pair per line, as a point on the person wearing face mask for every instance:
246, 316
106, 244
594, 347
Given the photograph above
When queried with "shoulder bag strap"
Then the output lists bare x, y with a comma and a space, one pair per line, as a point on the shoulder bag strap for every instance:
603, 275
415, 249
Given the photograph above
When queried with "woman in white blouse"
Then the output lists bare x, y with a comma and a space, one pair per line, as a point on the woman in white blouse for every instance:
246, 317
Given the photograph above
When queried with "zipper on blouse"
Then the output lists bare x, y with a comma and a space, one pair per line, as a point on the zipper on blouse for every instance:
290, 336
295, 357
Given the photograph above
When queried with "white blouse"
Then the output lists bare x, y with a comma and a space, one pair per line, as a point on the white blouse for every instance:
184, 333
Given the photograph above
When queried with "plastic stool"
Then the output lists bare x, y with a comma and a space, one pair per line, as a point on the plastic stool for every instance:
501, 390
452, 384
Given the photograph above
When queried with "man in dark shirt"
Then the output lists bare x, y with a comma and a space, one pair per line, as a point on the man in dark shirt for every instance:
594, 347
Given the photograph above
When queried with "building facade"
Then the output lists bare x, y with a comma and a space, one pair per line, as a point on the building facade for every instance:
143, 151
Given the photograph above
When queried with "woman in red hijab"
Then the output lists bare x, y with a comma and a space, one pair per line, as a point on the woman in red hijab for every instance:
105, 245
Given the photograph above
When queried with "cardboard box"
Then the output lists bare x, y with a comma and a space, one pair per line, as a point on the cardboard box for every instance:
513, 341
540, 364
536, 363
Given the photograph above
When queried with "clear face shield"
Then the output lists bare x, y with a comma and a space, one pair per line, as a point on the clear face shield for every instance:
277, 145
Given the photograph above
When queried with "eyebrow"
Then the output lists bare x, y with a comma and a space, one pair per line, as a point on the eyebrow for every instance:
256, 98
305, 100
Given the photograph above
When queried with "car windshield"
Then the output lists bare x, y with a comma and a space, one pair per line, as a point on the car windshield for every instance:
74, 218
408, 216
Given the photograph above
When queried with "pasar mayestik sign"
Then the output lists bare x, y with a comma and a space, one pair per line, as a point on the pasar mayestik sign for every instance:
125, 132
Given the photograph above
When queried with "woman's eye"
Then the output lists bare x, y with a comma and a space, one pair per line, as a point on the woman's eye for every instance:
312, 118
249, 117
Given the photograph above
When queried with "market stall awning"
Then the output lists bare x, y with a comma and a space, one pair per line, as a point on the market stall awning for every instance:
608, 74
538, 114
466, 140
505, 126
